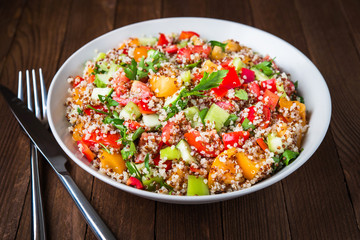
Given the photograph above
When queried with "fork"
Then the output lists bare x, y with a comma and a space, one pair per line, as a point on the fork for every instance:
37, 216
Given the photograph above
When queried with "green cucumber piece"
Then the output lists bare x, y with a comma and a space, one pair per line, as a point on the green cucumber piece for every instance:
218, 115
197, 186
280, 89
170, 153
193, 115
182, 44
186, 77
238, 64
185, 151
130, 112
150, 182
148, 41
100, 56
99, 91
101, 80
151, 120
275, 143
259, 75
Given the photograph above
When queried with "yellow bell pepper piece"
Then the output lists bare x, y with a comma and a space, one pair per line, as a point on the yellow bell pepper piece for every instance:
112, 161
249, 168
163, 86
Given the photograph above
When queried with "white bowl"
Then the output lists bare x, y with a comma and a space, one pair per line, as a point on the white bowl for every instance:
312, 87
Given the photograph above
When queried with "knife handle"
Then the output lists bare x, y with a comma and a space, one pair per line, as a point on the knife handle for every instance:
92, 218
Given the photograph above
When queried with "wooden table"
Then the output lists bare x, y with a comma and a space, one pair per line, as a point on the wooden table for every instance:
319, 201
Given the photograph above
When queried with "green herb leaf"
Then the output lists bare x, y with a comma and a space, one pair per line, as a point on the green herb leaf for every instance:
265, 66
241, 94
210, 81
296, 85
146, 161
96, 110
98, 70
137, 133
247, 124
231, 118
131, 70
81, 112
133, 169
219, 44
202, 115
167, 186
193, 64
289, 155
128, 152
105, 148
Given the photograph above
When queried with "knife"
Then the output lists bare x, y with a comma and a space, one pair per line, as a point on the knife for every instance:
50, 149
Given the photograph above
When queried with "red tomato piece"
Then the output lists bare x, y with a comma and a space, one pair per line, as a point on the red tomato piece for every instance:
105, 139
202, 50
77, 81
254, 88
162, 40
171, 49
167, 133
270, 99
183, 54
194, 138
144, 107
268, 85
225, 62
231, 80
187, 35
289, 87
123, 101
196, 170
132, 181
133, 125
235, 139
266, 117
84, 148
140, 90
121, 85
247, 75
168, 163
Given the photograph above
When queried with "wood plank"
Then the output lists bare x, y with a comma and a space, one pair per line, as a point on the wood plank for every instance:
244, 218
331, 32
36, 34
287, 25
10, 12
351, 11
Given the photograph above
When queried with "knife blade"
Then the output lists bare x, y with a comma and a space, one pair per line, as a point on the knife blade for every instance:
52, 152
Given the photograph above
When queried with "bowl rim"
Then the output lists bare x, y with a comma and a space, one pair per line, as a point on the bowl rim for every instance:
193, 199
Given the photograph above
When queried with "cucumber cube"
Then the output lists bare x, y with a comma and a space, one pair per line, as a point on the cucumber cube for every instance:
101, 80
275, 143
99, 91
151, 120
185, 151
238, 64
218, 115
197, 186
170, 153
148, 41
193, 115
259, 75
100, 56
130, 112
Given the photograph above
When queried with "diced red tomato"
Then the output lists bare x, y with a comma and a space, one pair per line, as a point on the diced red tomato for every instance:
262, 144
89, 111
167, 133
171, 49
193, 169
86, 150
226, 62
202, 147
235, 139
162, 40
266, 117
183, 53
226, 106
123, 101
251, 114
270, 99
268, 85
132, 181
202, 50
140, 90
254, 88
220, 91
168, 163
289, 87
144, 107
105, 139
247, 75
231, 80
121, 85
77, 81
187, 35
133, 125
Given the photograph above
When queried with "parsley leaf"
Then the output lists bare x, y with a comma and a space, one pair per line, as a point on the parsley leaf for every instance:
247, 124
128, 151
137, 133
105, 148
265, 66
98, 70
80, 111
131, 70
288, 155
133, 169
241, 94
192, 65
146, 161
231, 118
202, 115
219, 44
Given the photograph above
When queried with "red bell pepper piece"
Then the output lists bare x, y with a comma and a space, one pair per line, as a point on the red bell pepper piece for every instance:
266, 116
132, 181
226, 106
105, 139
268, 85
270, 99
77, 81
235, 139
168, 163
162, 40
231, 80
262, 144
247, 75
254, 88
133, 125
202, 147
144, 107
187, 35
183, 53
220, 91
84, 148
171, 49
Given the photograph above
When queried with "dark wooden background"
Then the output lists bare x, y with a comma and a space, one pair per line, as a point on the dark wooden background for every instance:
319, 201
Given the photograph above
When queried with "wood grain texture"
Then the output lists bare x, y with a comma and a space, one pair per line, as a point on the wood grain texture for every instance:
329, 48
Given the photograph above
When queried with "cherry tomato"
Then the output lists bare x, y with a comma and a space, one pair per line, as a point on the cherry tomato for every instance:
270, 99
254, 88
235, 139
144, 108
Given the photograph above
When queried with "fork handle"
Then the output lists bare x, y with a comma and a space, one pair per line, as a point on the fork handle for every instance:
37, 219
92, 218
